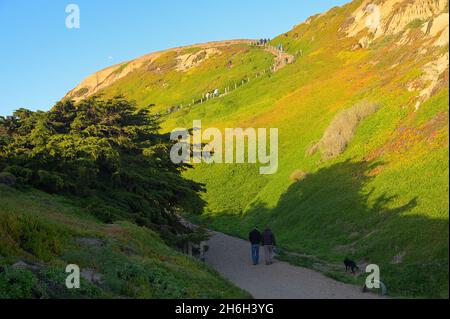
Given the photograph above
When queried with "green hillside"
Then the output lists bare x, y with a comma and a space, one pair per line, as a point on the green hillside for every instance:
383, 197
384, 200
177, 77
363, 137
169, 87
49, 232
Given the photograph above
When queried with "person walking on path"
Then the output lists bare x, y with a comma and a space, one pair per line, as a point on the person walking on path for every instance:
268, 241
255, 239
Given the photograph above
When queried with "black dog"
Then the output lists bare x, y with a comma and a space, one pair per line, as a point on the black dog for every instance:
350, 265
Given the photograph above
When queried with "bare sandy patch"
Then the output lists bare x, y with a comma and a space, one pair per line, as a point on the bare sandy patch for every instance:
186, 62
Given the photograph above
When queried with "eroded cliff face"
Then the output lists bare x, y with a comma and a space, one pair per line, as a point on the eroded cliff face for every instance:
420, 23
104, 78
387, 17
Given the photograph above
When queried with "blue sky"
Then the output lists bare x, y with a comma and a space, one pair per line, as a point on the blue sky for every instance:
41, 59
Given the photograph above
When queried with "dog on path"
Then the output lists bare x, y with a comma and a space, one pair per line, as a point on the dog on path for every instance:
350, 265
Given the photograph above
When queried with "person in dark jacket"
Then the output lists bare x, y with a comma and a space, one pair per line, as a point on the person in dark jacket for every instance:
255, 239
268, 241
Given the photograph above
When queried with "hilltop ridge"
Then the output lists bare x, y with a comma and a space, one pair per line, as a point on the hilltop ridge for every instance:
106, 77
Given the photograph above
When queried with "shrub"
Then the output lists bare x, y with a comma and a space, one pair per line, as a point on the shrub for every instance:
297, 175
81, 92
104, 213
7, 179
17, 283
415, 24
22, 174
30, 234
49, 182
52, 280
342, 129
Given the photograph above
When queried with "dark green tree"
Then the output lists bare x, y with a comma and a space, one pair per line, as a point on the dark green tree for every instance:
107, 153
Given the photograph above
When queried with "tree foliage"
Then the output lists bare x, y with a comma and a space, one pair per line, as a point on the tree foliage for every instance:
107, 153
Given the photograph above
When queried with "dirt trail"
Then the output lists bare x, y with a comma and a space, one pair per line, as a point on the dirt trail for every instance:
231, 257
281, 58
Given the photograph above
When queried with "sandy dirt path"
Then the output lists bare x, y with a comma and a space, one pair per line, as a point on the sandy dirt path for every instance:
281, 60
231, 257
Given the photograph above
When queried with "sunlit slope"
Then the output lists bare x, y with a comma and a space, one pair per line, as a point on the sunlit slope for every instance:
383, 196
384, 200
176, 77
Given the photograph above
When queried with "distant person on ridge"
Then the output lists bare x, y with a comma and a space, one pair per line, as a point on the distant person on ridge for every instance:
268, 241
255, 239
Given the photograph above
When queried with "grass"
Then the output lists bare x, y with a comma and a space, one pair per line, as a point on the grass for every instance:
166, 87
416, 23
44, 231
386, 196
383, 200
